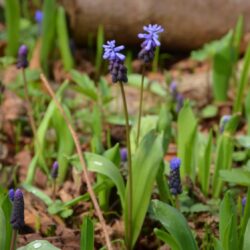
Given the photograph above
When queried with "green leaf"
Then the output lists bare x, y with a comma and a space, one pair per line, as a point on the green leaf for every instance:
167, 238
63, 135
48, 32
186, 127
175, 223
85, 84
63, 39
237, 176
39, 244
87, 234
243, 82
247, 112
38, 193
209, 111
145, 166
228, 223
246, 245
102, 165
12, 16
6, 207
3, 235
222, 69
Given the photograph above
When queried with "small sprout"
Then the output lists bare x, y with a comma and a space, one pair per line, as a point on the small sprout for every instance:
54, 170
11, 194
17, 216
22, 61
224, 120
124, 154
150, 43
116, 61
174, 177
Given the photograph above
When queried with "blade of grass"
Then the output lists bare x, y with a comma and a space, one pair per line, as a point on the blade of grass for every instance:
87, 234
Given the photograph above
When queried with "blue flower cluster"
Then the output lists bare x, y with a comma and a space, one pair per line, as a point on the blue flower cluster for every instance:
54, 170
116, 61
17, 215
174, 177
151, 41
177, 97
116, 58
22, 61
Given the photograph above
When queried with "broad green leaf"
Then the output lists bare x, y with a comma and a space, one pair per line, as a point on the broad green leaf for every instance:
85, 84
12, 18
243, 82
186, 133
237, 176
87, 234
175, 223
6, 208
228, 223
65, 143
102, 165
247, 112
246, 245
63, 39
3, 235
244, 141
222, 69
39, 244
209, 111
38, 193
145, 165
48, 32
167, 238
113, 154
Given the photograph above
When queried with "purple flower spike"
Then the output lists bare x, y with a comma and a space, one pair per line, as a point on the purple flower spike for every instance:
39, 16
111, 52
116, 61
124, 154
11, 194
150, 43
54, 171
22, 61
179, 102
174, 177
173, 89
17, 216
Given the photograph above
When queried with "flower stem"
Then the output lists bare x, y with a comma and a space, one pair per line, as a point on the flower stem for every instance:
140, 107
130, 179
54, 190
28, 102
82, 161
13, 240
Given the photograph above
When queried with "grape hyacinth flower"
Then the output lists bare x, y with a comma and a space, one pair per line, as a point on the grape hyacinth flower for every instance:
39, 16
224, 120
174, 177
22, 61
11, 194
179, 102
54, 171
116, 61
17, 216
124, 154
150, 43
173, 89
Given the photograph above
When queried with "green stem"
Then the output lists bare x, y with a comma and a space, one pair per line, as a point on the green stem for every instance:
54, 190
13, 240
140, 107
130, 179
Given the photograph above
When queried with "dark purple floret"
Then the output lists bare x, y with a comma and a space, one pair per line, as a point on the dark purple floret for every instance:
174, 177
116, 61
124, 154
54, 171
243, 203
11, 194
173, 89
22, 61
151, 41
179, 102
17, 216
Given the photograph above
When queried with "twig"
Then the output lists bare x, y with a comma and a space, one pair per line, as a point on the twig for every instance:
85, 171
